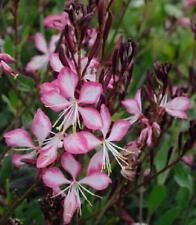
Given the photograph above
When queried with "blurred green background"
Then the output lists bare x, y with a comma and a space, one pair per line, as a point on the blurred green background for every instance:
170, 199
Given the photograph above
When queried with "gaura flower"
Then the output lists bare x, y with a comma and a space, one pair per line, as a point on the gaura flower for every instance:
73, 189
177, 107
40, 61
82, 142
57, 21
65, 100
90, 74
21, 140
4, 60
134, 107
189, 3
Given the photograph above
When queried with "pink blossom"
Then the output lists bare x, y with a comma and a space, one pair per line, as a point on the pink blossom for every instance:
40, 61
82, 142
189, 3
64, 99
73, 189
177, 107
134, 106
184, 21
90, 74
21, 140
17, 159
188, 159
4, 60
57, 21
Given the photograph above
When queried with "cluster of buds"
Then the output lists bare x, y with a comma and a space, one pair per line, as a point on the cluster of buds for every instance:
85, 93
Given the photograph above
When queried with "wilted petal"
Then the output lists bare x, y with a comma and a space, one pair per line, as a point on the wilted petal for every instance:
41, 125
98, 181
7, 58
17, 158
40, 43
71, 165
71, 204
91, 118
95, 164
106, 119
47, 156
90, 93
55, 62
54, 100
67, 82
119, 130
75, 143
37, 62
18, 138
53, 177
8, 69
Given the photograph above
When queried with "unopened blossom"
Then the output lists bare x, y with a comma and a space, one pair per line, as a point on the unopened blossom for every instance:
4, 60
41, 61
73, 189
21, 140
64, 99
134, 106
83, 142
146, 134
177, 107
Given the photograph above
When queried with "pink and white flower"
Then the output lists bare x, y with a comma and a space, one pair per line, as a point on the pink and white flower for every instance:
57, 21
4, 60
134, 107
82, 142
64, 99
40, 61
189, 3
73, 189
177, 107
90, 74
21, 140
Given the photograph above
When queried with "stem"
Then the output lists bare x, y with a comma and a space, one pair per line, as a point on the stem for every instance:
122, 15
15, 14
11, 210
157, 174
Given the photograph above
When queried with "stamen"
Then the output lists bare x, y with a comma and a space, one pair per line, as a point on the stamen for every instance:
61, 192
23, 149
91, 193
81, 191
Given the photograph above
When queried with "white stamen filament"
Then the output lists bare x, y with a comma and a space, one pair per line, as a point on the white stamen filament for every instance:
23, 149
109, 146
78, 189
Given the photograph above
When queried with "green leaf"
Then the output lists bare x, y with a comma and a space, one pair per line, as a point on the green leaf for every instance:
161, 158
183, 177
157, 196
168, 217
